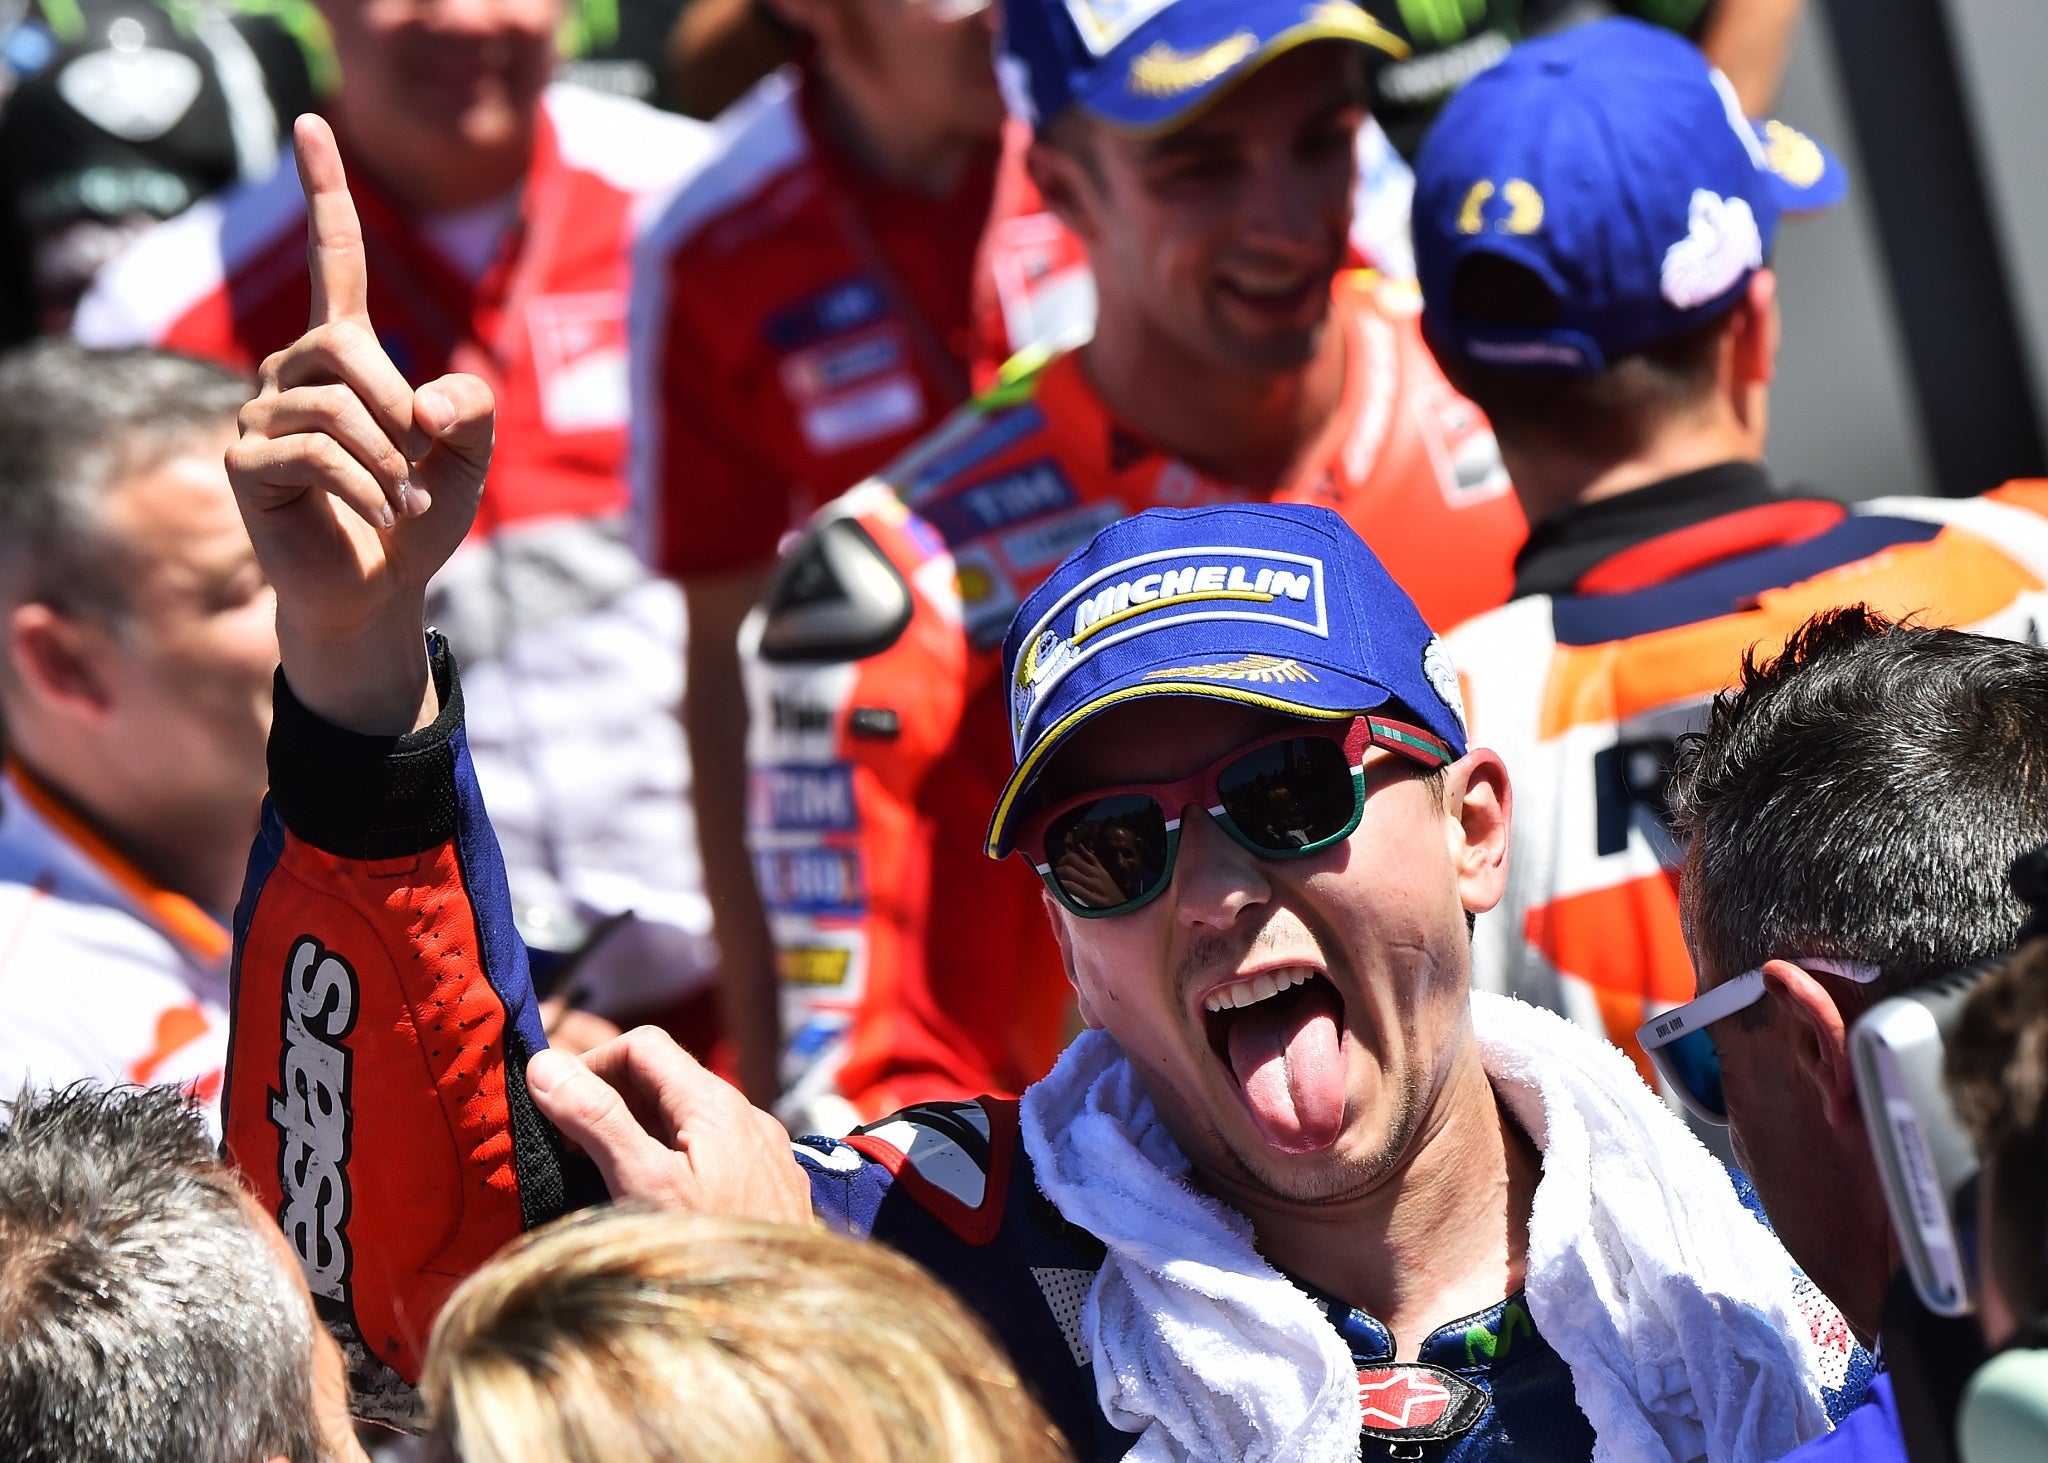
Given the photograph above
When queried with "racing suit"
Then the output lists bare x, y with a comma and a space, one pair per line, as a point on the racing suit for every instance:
574, 648
103, 973
1630, 614
376, 1099
914, 968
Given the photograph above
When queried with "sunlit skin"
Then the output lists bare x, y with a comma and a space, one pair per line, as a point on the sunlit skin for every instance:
1418, 1209
439, 98
154, 727
1798, 1133
911, 91
1214, 246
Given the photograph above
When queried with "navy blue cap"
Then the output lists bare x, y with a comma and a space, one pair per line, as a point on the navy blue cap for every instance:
1613, 162
1145, 65
1275, 605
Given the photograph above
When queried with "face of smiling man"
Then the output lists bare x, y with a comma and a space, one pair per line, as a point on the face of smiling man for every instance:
1340, 980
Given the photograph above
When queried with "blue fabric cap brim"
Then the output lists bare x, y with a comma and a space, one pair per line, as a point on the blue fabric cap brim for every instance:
1190, 53
1314, 690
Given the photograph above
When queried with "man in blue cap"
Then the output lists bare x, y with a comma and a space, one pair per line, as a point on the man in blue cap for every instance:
1203, 152
1295, 1193
1594, 220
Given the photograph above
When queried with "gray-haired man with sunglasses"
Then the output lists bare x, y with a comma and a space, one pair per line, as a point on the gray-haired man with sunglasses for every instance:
1295, 1194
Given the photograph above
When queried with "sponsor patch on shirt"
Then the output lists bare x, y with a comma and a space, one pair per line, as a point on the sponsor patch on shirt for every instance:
801, 797
1153, 591
960, 453
579, 355
824, 369
834, 311
1055, 538
863, 414
1032, 491
812, 881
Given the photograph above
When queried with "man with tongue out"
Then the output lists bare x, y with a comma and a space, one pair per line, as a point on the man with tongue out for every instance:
1295, 1193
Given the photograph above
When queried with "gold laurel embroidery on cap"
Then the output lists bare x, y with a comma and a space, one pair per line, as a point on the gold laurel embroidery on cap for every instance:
1525, 207
1472, 212
1161, 71
1792, 155
1266, 669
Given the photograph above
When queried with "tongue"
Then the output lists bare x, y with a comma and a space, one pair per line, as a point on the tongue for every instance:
1284, 1052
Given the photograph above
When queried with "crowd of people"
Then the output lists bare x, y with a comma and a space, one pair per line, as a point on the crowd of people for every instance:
1092, 733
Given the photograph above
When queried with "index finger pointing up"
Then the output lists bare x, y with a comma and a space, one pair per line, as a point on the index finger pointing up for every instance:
334, 236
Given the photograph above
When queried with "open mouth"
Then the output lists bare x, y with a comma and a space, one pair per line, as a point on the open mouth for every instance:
1280, 1034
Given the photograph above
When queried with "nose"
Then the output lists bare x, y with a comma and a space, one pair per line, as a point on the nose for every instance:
1283, 205
1215, 878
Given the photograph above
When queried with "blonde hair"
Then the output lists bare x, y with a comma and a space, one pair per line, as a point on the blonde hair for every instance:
624, 1336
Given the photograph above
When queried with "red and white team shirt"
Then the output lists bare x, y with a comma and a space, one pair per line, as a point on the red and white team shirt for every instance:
572, 651
103, 974
796, 324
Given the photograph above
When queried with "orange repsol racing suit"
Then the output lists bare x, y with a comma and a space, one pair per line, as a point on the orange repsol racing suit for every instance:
913, 968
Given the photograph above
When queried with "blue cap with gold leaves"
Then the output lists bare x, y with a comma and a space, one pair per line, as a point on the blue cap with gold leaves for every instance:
1146, 65
1615, 164
1274, 605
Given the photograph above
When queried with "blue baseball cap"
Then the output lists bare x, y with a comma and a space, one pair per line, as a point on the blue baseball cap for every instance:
1275, 605
1615, 164
1146, 65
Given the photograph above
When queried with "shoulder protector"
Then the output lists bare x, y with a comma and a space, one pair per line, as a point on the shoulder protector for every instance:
953, 1157
834, 597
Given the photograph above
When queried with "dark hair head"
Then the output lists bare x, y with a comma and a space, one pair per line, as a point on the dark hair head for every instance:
1612, 414
73, 423
1997, 1070
1863, 796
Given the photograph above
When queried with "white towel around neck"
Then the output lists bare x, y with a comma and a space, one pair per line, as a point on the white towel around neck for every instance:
1673, 1308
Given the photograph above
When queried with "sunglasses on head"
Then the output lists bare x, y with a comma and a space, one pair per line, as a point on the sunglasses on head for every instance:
1683, 1050
1295, 793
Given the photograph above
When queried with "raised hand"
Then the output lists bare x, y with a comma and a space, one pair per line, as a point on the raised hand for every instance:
355, 487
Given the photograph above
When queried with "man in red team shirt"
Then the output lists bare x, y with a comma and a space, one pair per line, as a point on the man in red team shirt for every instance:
1205, 158
498, 214
801, 314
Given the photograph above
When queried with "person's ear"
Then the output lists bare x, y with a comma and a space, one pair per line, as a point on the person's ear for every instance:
1478, 803
1820, 1039
1063, 936
57, 662
1758, 331
1067, 186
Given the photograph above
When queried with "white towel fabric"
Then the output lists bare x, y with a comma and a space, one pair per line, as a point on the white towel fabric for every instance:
1673, 1308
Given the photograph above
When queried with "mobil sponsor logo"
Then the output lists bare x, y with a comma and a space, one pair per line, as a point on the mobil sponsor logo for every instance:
953, 454
1151, 592
801, 797
816, 880
838, 309
1028, 492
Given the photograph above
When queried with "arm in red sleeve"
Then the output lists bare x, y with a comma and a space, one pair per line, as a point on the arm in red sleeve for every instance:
382, 1021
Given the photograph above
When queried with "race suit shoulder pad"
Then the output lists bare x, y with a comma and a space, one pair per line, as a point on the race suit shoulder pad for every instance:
954, 1157
834, 597
365, 797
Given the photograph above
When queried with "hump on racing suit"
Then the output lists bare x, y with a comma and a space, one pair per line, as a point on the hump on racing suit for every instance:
913, 968
1584, 695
